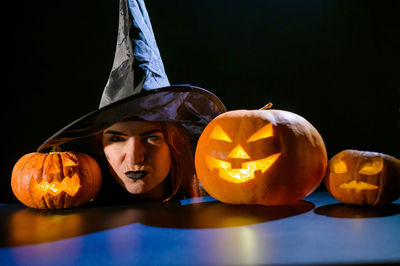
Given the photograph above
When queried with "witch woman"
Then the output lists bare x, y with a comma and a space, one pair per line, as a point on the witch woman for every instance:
145, 129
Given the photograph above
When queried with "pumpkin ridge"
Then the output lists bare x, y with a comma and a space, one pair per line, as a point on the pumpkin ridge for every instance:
61, 166
359, 160
92, 185
26, 160
32, 198
46, 162
87, 187
381, 182
382, 177
45, 203
365, 154
17, 183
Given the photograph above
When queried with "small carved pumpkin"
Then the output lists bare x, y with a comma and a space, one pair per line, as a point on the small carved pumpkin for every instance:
267, 157
361, 177
55, 180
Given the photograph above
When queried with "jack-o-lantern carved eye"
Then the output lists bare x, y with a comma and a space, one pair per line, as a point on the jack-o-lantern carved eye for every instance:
372, 167
338, 167
219, 134
263, 133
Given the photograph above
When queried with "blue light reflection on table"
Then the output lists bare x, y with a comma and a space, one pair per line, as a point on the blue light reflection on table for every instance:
326, 232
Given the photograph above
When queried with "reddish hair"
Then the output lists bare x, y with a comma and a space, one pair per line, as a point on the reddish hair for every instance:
183, 175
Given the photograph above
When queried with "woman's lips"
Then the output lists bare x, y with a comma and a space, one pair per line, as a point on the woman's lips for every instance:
136, 175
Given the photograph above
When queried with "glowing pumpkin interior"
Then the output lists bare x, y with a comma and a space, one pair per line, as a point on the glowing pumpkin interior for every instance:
240, 167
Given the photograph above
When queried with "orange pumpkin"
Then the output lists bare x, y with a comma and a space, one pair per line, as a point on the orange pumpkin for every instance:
268, 157
55, 180
361, 177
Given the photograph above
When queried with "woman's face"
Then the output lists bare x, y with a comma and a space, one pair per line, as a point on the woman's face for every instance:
138, 154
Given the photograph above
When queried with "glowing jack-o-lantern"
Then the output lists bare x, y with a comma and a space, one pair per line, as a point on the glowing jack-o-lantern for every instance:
359, 177
267, 157
55, 180
248, 167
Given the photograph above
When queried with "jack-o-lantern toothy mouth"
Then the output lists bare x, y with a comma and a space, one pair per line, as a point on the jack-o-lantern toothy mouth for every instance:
240, 175
69, 185
358, 185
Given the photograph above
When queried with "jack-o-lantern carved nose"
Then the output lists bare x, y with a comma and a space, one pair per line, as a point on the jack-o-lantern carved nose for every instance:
239, 153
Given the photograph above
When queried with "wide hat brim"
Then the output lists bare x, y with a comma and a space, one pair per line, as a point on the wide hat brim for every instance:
190, 106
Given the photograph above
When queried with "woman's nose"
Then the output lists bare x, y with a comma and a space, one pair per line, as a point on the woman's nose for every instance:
135, 150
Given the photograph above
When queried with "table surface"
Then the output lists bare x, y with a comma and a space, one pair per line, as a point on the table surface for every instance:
202, 231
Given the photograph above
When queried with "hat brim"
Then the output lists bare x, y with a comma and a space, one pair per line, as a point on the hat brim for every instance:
190, 106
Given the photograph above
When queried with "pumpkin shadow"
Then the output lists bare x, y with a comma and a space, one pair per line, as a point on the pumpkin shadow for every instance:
215, 214
342, 210
25, 226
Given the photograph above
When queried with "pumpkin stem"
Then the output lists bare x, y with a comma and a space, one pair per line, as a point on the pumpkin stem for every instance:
267, 106
55, 149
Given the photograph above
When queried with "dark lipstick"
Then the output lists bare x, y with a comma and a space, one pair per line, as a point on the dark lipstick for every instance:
136, 175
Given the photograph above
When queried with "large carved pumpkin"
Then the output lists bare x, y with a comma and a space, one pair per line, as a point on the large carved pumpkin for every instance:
360, 177
267, 157
55, 180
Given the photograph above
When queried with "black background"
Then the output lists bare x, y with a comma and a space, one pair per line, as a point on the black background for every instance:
334, 62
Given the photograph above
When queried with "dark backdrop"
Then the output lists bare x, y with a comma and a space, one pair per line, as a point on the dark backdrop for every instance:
334, 62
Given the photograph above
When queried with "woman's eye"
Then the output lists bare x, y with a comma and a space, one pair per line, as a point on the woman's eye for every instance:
153, 138
115, 139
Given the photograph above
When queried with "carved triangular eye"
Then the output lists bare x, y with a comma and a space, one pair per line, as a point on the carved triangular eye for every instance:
54, 169
264, 132
219, 133
338, 166
372, 167
69, 161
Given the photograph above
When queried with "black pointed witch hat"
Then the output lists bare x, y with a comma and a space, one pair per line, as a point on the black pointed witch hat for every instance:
138, 86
